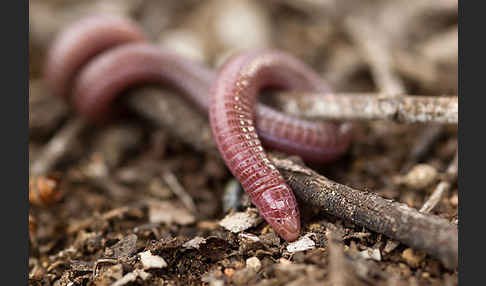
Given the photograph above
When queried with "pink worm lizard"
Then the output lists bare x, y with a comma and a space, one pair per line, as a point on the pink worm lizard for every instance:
102, 56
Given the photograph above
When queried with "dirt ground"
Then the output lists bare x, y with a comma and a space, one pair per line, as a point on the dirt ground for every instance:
137, 206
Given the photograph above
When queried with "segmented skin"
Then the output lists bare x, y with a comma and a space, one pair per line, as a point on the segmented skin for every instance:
102, 56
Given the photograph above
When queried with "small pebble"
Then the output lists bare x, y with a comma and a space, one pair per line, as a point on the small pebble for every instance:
419, 177
304, 243
371, 253
254, 263
186, 43
237, 20
151, 261
131, 277
412, 258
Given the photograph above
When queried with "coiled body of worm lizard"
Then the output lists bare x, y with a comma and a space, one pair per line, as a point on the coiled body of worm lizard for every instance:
233, 98
104, 55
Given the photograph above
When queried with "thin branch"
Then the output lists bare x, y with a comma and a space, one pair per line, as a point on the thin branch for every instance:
443, 187
369, 106
423, 144
346, 106
434, 199
338, 273
375, 49
431, 234
57, 147
176, 187
442, 48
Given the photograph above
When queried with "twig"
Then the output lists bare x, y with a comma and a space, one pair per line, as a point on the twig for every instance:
399, 108
397, 21
442, 188
100, 261
442, 48
179, 191
423, 144
429, 233
343, 63
57, 147
417, 68
404, 17
338, 274
433, 235
374, 48
369, 106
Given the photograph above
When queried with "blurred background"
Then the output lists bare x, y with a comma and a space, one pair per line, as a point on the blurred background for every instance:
337, 38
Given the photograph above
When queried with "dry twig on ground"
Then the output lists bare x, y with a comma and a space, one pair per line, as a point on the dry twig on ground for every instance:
374, 48
369, 106
338, 273
57, 147
429, 136
443, 187
176, 187
431, 234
